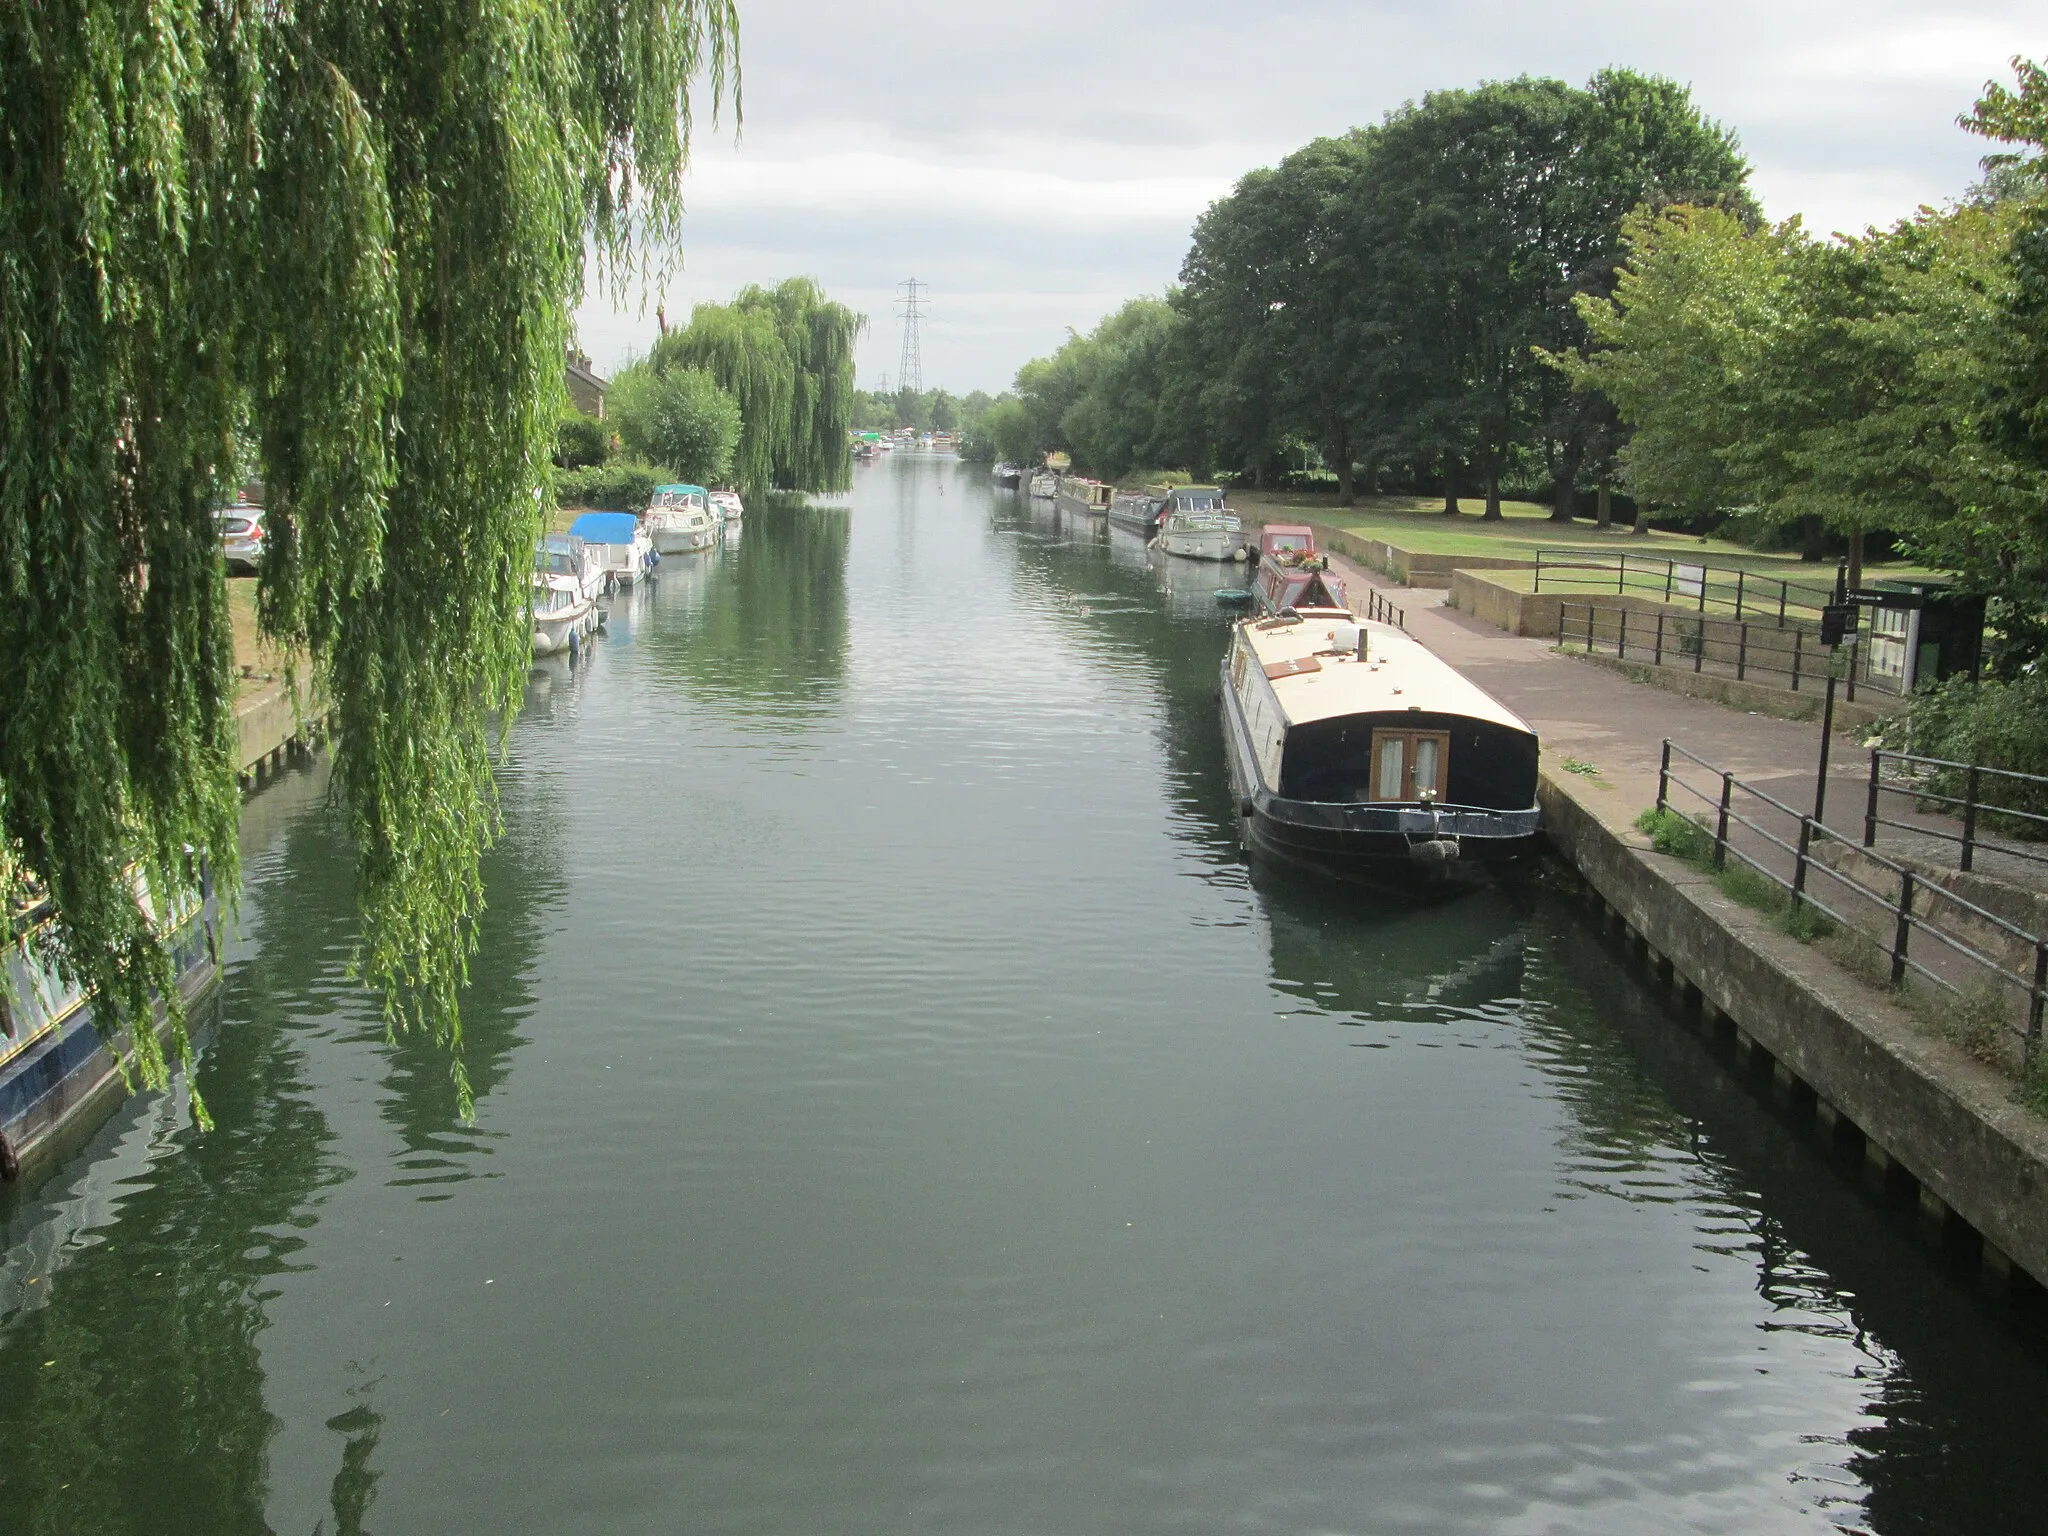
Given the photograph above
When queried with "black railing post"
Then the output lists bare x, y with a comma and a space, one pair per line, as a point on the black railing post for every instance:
1741, 644
1870, 810
1670, 570
1798, 643
1664, 776
1621, 643
1699, 649
1738, 592
1721, 825
1660, 639
1784, 589
1538, 585
1904, 930
2034, 1004
1799, 860
1589, 629
1970, 820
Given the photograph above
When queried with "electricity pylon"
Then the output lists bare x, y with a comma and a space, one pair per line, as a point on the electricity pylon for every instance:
910, 372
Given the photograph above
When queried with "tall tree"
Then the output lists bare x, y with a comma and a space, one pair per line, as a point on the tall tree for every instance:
786, 354
354, 236
678, 418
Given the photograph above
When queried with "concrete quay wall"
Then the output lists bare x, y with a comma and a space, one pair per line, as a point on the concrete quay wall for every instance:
273, 727
1923, 1107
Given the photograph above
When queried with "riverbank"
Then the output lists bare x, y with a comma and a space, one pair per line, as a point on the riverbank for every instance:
273, 725
1929, 1116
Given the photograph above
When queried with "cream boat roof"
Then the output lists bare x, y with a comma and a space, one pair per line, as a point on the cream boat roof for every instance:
1399, 673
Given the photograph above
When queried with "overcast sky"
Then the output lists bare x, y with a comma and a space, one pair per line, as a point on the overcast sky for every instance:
1037, 165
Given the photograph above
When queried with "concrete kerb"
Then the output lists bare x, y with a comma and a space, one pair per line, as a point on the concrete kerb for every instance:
1924, 1105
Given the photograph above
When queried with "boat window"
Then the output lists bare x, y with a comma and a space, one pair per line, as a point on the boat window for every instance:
1405, 764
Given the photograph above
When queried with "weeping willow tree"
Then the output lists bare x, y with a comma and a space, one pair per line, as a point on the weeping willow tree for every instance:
337, 244
786, 354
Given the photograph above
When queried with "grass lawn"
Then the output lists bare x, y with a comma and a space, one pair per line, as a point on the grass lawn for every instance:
1417, 523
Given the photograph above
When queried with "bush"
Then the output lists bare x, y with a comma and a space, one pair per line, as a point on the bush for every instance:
1679, 836
678, 416
1997, 725
623, 485
580, 441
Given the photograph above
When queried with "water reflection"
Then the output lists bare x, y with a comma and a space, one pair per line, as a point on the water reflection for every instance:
760, 625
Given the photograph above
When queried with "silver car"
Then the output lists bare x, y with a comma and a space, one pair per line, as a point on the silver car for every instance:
241, 538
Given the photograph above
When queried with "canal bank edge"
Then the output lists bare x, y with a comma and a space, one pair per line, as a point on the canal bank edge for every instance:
1921, 1104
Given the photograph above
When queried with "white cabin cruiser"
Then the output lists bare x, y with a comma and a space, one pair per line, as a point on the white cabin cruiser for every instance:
621, 543
679, 520
561, 614
727, 504
1202, 536
1045, 485
563, 554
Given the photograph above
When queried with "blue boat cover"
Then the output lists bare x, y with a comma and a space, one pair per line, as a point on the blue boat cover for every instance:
605, 527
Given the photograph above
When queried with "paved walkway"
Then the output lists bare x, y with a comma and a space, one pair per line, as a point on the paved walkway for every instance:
1591, 715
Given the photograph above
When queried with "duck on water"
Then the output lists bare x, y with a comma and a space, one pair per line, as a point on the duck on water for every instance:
1355, 751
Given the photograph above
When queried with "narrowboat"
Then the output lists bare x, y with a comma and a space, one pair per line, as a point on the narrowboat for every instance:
55, 1065
1355, 751
1139, 511
1078, 495
1294, 575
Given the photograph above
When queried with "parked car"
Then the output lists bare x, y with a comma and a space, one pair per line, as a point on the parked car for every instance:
241, 538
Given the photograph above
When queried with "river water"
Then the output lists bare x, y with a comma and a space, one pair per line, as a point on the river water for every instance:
899, 1111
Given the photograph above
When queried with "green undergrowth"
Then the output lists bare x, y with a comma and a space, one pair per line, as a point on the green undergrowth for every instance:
1682, 837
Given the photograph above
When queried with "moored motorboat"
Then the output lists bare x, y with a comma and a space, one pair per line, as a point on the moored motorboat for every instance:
1354, 750
1202, 535
1006, 475
561, 614
680, 520
1080, 495
727, 504
563, 554
620, 541
1044, 484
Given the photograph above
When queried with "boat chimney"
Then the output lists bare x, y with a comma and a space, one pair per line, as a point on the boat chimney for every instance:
1361, 642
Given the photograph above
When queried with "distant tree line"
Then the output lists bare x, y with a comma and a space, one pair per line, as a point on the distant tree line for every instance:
758, 392
1376, 300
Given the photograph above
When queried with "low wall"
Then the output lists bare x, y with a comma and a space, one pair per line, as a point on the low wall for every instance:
1537, 615
1755, 698
1409, 567
1922, 1104
268, 727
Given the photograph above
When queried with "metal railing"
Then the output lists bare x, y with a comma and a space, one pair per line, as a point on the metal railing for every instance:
1378, 608
1785, 655
1926, 780
1919, 906
1706, 588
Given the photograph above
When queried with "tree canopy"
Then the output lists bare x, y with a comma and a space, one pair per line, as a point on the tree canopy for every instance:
678, 417
1379, 295
339, 247
786, 355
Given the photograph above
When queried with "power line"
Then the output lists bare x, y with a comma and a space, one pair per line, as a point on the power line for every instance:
910, 371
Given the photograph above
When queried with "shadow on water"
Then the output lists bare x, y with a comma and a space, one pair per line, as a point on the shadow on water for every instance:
1660, 1114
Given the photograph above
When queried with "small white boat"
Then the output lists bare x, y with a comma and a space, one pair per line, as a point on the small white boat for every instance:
1197, 527
728, 505
679, 520
563, 554
1045, 485
561, 614
620, 541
